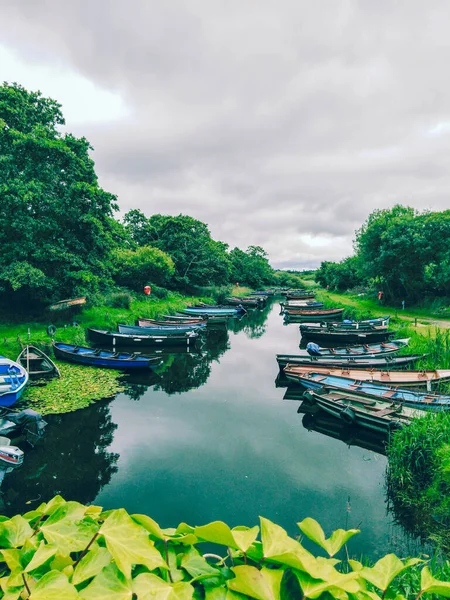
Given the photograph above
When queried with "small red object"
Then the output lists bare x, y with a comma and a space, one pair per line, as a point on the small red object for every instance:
147, 290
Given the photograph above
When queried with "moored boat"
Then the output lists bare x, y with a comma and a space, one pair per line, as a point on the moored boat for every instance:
374, 350
115, 339
37, 363
320, 313
361, 389
152, 322
222, 312
13, 379
255, 302
169, 329
377, 415
347, 336
410, 379
96, 357
350, 362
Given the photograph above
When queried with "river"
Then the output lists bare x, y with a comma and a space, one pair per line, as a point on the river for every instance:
211, 438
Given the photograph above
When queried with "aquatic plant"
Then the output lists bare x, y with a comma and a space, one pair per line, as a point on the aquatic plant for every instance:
68, 550
418, 477
78, 387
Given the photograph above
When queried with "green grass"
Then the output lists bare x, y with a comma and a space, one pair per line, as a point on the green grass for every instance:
79, 386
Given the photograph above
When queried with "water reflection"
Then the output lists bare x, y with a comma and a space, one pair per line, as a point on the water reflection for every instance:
319, 421
253, 324
72, 459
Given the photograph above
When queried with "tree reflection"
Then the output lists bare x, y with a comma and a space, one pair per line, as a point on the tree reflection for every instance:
71, 460
253, 323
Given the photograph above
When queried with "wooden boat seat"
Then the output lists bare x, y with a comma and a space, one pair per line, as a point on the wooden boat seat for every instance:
387, 411
320, 378
389, 393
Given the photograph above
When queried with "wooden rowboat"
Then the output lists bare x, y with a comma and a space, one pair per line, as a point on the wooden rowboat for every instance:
152, 322
350, 362
360, 389
313, 313
347, 336
104, 358
409, 379
377, 415
373, 350
69, 303
115, 339
37, 363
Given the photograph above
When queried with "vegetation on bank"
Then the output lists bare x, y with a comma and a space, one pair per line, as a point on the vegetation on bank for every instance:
400, 251
68, 550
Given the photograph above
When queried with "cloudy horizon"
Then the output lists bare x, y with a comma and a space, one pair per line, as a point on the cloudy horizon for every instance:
278, 124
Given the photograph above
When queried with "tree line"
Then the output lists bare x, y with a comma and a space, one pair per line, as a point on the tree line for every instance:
58, 233
400, 251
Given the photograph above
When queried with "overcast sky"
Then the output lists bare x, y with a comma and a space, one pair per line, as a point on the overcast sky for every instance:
279, 123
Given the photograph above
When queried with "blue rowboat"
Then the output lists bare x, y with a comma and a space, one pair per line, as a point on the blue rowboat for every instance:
159, 329
13, 379
114, 338
373, 350
360, 389
104, 358
224, 312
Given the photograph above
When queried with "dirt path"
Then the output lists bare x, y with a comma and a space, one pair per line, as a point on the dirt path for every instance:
430, 322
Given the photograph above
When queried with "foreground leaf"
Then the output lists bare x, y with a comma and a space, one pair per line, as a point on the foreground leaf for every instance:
431, 585
385, 570
261, 584
129, 543
332, 545
14, 532
54, 586
148, 586
91, 564
109, 584
42, 555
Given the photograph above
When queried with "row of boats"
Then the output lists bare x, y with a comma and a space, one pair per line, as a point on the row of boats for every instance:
361, 381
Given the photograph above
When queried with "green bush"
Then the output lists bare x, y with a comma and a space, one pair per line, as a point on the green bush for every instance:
68, 550
159, 292
120, 300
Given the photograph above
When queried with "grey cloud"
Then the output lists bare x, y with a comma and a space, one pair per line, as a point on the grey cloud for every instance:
267, 120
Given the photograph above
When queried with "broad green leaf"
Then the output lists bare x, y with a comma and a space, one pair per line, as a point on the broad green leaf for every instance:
184, 528
53, 505
61, 562
150, 525
431, 585
109, 584
14, 532
15, 579
216, 593
42, 555
68, 534
129, 543
314, 588
280, 548
173, 559
54, 586
148, 586
12, 593
216, 532
91, 564
334, 543
12, 558
244, 536
355, 565
261, 584
384, 571
93, 510
196, 565
164, 534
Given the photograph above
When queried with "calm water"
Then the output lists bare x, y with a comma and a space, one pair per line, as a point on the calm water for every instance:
211, 438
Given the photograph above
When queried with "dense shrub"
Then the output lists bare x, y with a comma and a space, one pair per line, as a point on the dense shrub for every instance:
119, 300
143, 266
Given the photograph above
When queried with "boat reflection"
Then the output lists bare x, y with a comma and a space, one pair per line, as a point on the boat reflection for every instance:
71, 459
317, 420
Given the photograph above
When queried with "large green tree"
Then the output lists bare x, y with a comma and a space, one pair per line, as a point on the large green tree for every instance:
56, 226
199, 260
251, 267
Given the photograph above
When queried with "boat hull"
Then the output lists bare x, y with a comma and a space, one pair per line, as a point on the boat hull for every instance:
103, 358
116, 340
159, 330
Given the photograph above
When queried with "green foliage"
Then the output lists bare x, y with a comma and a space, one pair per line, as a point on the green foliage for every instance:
120, 300
143, 266
198, 259
78, 387
251, 267
289, 279
340, 276
55, 221
68, 550
418, 476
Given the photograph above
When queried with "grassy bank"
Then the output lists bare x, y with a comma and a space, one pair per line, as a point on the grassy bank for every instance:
80, 386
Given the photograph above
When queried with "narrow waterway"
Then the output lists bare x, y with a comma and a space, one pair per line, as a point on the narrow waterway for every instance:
210, 437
